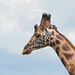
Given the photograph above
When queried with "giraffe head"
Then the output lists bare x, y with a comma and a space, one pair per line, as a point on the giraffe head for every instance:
42, 36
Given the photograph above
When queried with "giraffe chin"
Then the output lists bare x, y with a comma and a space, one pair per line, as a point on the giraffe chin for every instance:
26, 51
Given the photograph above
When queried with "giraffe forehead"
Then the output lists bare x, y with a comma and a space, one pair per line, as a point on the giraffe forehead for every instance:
41, 32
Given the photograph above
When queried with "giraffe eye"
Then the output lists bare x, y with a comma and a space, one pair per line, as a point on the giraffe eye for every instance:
37, 35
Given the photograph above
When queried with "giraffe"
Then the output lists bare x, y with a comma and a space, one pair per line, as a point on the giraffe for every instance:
48, 35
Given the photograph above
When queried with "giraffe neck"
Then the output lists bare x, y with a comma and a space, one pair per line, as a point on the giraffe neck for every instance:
66, 52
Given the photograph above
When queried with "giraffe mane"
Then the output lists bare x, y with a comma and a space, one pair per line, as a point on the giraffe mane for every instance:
67, 40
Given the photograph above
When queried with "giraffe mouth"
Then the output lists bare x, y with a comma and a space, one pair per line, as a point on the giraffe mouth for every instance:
26, 51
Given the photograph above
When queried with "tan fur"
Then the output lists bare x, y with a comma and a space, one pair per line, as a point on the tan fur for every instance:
70, 60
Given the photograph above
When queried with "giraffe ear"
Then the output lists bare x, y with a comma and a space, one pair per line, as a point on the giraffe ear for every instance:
54, 27
48, 31
45, 21
35, 26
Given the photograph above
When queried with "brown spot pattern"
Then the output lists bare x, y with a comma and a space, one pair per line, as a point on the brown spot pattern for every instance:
51, 38
57, 42
72, 69
57, 50
59, 37
51, 44
47, 40
68, 56
52, 33
67, 41
63, 61
49, 27
66, 47
54, 27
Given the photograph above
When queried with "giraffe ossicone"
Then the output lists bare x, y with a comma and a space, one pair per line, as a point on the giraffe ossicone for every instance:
48, 35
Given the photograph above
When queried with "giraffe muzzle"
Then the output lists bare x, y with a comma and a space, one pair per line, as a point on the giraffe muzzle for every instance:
26, 52
27, 49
